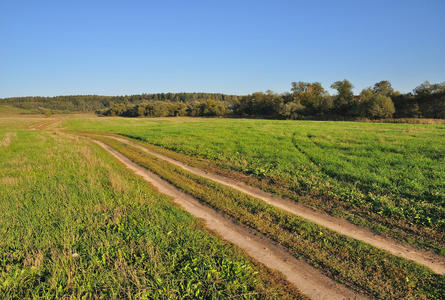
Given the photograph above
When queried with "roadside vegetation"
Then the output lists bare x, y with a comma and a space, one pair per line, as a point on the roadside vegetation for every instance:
355, 263
75, 223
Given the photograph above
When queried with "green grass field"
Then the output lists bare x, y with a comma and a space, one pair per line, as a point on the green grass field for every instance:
388, 177
11, 111
359, 265
76, 224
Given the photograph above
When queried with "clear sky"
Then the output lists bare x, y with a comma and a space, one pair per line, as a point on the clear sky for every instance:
124, 47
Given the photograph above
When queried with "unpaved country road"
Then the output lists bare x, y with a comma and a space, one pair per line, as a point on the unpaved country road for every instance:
309, 280
40, 126
435, 262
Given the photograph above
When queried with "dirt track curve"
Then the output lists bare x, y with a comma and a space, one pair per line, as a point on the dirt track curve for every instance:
435, 262
310, 281
40, 126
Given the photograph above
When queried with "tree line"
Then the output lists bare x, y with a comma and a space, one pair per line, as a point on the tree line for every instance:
91, 103
305, 100
310, 100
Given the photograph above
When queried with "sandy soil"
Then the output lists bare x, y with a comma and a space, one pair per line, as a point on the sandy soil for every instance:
435, 262
309, 280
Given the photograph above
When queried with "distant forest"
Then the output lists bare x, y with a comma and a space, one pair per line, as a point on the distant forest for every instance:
304, 101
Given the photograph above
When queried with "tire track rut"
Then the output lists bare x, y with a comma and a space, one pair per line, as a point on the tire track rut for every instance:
435, 262
309, 280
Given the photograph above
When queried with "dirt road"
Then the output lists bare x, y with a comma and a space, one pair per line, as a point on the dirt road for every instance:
309, 280
40, 126
435, 262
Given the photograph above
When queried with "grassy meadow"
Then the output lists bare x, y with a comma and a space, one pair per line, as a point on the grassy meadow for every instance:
76, 224
388, 177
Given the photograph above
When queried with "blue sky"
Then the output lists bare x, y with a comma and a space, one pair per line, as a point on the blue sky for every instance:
124, 47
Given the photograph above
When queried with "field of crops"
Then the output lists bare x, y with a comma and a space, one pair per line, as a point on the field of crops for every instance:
75, 223
388, 177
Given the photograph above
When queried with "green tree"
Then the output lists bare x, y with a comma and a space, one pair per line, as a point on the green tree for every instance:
384, 88
260, 104
141, 111
344, 102
179, 109
430, 99
381, 107
157, 109
221, 108
311, 95
427, 89
292, 110
117, 109
365, 96
375, 105
194, 109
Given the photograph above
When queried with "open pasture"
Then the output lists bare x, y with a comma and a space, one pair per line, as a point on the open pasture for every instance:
95, 227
